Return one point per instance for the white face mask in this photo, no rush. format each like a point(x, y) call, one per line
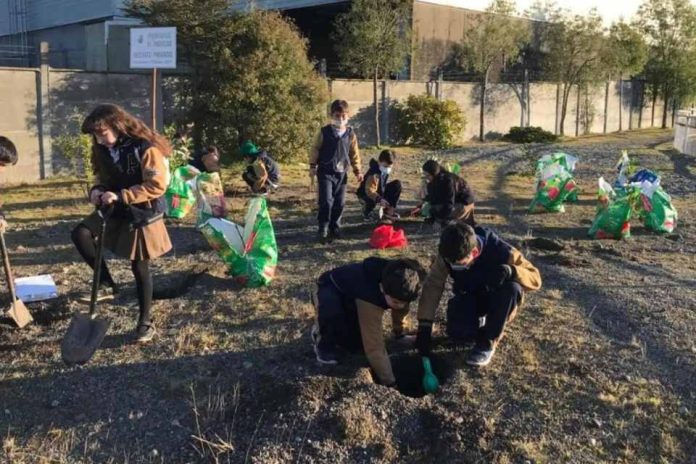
point(385, 169)
point(339, 123)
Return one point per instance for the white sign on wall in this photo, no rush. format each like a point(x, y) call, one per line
point(153, 47)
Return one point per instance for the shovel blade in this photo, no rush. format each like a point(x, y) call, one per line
point(20, 314)
point(82, 339)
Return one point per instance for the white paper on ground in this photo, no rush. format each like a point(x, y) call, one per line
point(36, 288)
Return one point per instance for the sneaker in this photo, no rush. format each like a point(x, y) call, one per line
point(323, 236)
point(480, 357)
point(145, 332)
point(326, 356)
point(104, 293)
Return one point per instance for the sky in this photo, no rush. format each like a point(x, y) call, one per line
point(611, 10)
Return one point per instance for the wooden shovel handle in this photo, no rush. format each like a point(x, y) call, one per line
point(8, 268)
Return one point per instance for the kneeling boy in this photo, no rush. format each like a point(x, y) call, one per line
point(262, 173)
point(350, 301)
point(489, 281)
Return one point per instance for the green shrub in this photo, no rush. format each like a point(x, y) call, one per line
point(529, 135)
point(77, 149)
point(182, 146)
point(250, 75)
point(425, 120)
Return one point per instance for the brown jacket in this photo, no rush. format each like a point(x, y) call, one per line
point(353, 153)
point(147, 242)
point(372, 333)
point(260, 174)
point(372, 187)
point(525, 274)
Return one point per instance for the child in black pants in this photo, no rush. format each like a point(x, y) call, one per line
point(376, 189)
point(350, 301)
point(335, 148)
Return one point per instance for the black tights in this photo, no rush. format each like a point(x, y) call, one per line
point(85, 243)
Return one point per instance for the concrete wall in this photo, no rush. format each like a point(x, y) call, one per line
point(66, 97)
point(41, 104)
point(506, 106)
point(18, 98)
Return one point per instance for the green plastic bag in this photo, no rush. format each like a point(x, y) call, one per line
point(180, 196)
point(211, 197)
point(552, 192)
point(613, 212)
point(656, 209)
point(555, 183)
point(250, 251)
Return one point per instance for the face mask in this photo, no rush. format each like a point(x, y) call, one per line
point(339, 123)
point(385, 169)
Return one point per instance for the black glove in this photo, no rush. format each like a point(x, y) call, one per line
point(424, 338)
point(499, 275)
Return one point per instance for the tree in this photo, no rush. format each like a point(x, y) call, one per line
point(373, 40)
point(670, 29)
point(496, 38)
point(249, 75)
point(625, 53)
point(574, 47)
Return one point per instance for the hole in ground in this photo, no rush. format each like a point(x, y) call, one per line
point(408, 370)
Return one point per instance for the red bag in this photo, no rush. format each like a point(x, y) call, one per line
point(385, 236)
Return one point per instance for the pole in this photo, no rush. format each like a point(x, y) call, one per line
point(154, 99)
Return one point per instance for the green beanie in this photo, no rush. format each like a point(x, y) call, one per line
point(249, 149)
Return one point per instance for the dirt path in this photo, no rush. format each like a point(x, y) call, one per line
point(598, 367)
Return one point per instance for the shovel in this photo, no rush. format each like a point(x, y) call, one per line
point(18, 312)
point(430, 382)
point(86, 333)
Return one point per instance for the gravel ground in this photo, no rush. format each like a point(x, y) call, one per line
point(598, 367)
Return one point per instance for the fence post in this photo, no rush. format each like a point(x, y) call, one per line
point(438, 93)
point(527, 98)
point(558, 98)
point(43, 121)
point(606, 105)
point(577, 113)
point(385, 112)
point(631, 105)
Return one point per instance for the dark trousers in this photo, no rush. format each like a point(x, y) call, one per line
point(85, 243)
point(338, 318)
point(392, 193)
point(464, 312)
point(332, 199)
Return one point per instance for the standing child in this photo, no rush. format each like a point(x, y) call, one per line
point(129, 161)
point(8, 157)
point(335, 148)
point(262, 173)
point(376, 190)
point(350, 301)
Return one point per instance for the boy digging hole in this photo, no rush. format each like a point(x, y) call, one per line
point(489, 282)
point(350, 301)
